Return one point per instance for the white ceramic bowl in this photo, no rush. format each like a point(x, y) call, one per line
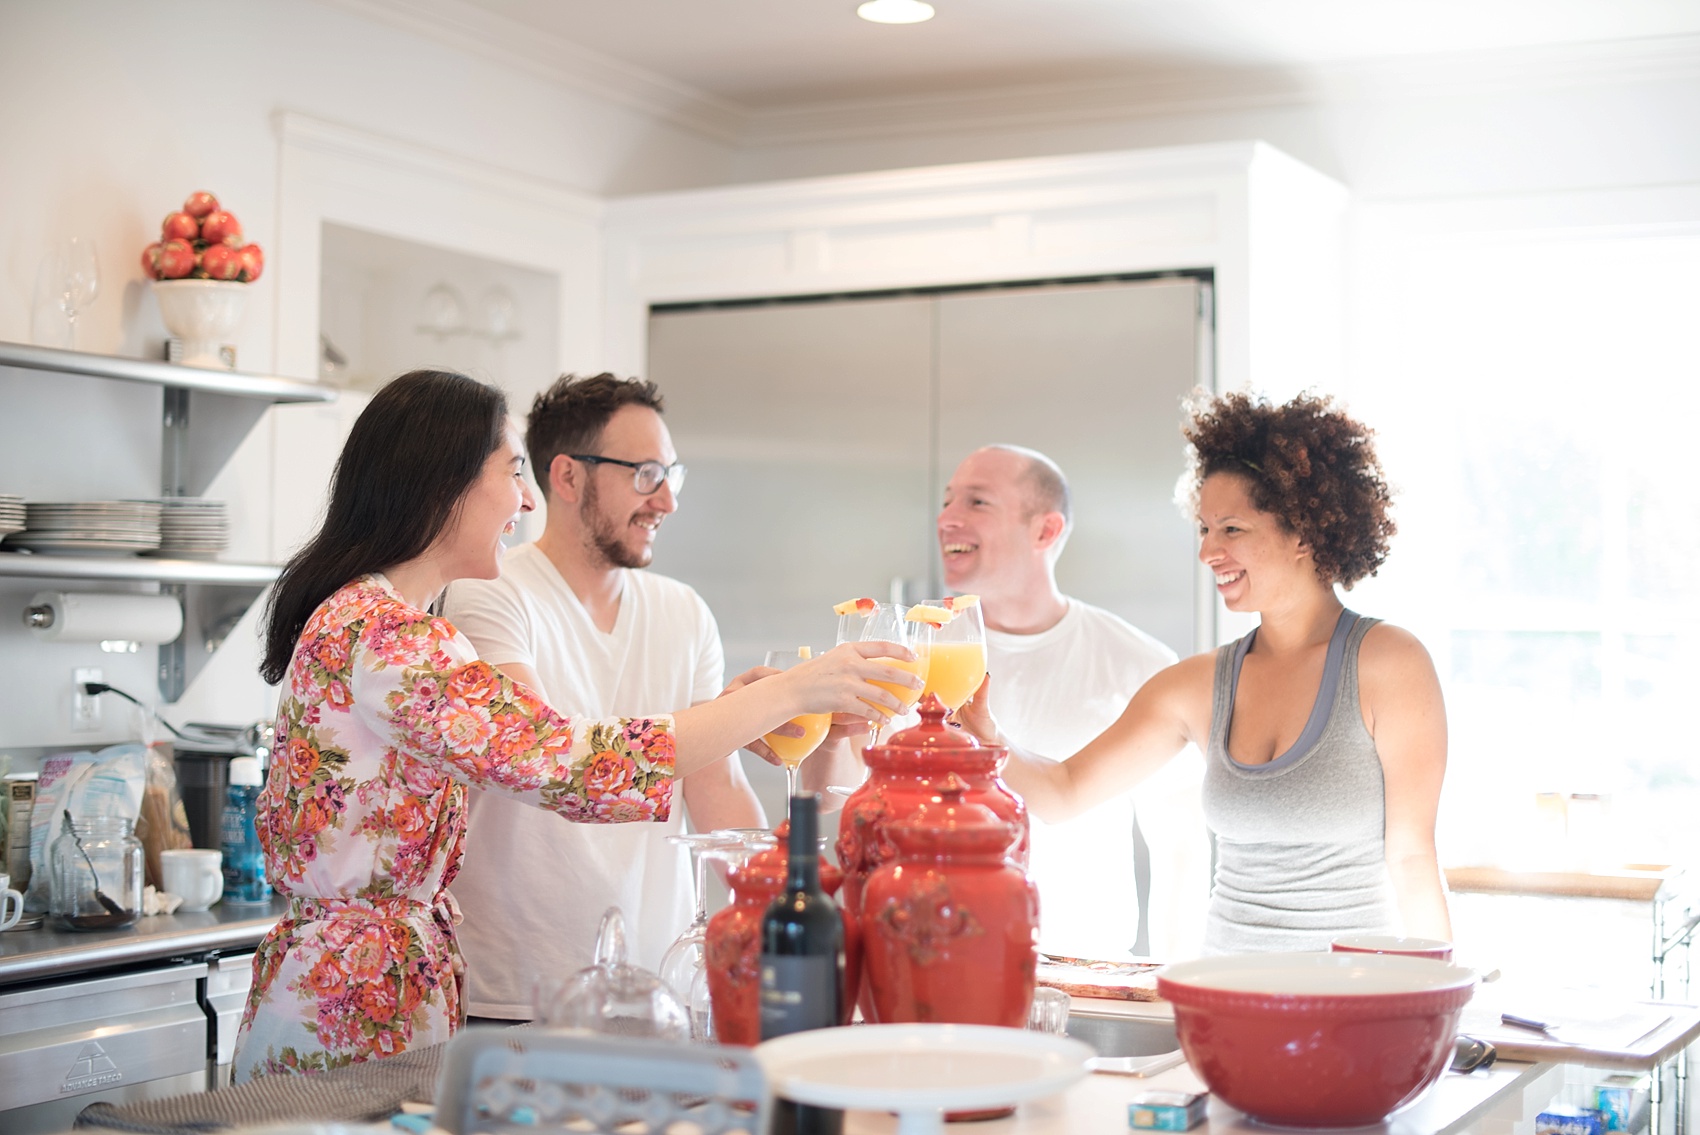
point(203, 313)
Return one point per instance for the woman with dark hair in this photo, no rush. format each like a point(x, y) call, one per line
point(387, 717)
point(1323, 731)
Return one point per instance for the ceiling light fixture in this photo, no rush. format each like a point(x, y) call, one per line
point(895, 11)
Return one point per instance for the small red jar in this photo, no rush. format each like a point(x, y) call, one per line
point(903, 774)
point(950, 929)
point(733, 941)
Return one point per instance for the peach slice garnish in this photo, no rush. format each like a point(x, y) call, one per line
point(862, 606)
point(935, 616)
point(959, 602)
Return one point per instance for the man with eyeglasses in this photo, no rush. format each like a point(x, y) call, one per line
point(575, 618)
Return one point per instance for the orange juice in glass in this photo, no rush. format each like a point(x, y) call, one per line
point(865, 620)
point(792, 750)
point(957, 662)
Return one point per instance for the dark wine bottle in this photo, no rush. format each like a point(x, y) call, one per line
point(802, 963)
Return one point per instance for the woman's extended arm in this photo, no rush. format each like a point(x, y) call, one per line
point(1405, 713)
point(1157, 723)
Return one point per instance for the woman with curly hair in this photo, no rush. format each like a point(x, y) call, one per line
point(1323, 731)
point(388, 717)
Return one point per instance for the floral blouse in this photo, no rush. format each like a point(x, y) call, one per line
point(387, 717)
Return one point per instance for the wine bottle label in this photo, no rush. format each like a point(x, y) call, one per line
point(798, 993)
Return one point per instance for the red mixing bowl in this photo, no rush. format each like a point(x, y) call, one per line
point(1317, 1040)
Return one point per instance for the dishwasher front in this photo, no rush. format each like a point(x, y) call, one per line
point(122, 1037)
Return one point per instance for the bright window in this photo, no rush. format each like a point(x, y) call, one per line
point(1540, 422)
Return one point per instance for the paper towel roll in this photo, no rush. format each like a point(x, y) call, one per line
point(91, 616)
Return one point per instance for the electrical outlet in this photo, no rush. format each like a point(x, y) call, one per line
point(85, 708)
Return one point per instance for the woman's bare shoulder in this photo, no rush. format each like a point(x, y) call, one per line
point(1392, 658)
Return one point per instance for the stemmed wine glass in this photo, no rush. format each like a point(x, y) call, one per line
point(889, 622)
point(792, 750)
point(75, 275)
point(683, 964)
point(957, 661)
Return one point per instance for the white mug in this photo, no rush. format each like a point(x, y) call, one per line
point(11, 904)
point(196, 874)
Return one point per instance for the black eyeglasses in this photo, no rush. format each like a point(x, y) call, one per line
point(647, 476)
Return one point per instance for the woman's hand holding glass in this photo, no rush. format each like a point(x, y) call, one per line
point(872, 624)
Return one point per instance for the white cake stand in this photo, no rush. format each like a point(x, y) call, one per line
point(921, 1071)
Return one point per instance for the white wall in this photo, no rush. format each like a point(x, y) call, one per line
point(110, 113)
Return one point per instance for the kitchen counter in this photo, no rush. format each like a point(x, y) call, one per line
point(1503, 1098)
point(35, 955)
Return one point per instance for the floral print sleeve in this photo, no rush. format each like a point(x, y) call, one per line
point(386, 718)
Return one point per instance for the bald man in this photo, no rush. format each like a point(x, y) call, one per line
point(1062, 671)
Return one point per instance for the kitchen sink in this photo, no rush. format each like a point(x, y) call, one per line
point(1124, 1036)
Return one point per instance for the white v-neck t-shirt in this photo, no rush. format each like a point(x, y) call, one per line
point(532, 888)
point(1053, 692)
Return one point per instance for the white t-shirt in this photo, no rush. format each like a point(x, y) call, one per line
point(1053, 692)
point(532, 887)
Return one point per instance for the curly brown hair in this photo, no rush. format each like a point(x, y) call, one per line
point(1307, 463)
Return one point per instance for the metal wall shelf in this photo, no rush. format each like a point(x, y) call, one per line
point(204, 415)
point(134, 569)
point(264, 388)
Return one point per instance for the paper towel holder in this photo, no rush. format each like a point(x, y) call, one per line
point(39, 616)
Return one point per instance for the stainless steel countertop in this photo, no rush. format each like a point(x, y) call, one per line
point(31, 955)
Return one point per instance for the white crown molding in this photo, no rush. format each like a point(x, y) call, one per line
point(305, 132)
point(1179, 92)
point(557, 60)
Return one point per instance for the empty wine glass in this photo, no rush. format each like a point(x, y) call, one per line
point(792, 750)
point(889, 622)
point(682, 964)
point(75, 277)
point(956, 662)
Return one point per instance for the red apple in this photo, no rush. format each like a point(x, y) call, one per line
point(219, 227)
point(253, 262)
point(200, 204)
point(221, 262)
point(179, 226)
point(176, 259)
point(150, 261)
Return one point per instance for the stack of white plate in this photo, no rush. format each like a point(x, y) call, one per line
point(11, 514)
point(193, 527)
point(92, 527)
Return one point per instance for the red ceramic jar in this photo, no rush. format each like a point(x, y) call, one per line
point(903, 774)
point(733, 945)
point(950, 930)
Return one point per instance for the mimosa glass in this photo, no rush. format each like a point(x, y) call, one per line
point(888, 622)
point(956, 663)
point(792, 750)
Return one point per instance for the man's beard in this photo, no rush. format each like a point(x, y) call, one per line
point(604, 536)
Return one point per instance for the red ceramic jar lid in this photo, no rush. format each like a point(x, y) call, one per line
point(933, 746)
point(949, 825)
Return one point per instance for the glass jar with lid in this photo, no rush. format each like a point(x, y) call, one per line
point(96, 873)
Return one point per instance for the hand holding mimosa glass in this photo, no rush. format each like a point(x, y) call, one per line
point(864, 620)
point(792, 750)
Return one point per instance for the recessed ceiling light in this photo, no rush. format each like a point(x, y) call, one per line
point(895, 11)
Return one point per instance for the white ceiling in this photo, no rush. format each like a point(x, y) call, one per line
point(725, 65)
point(766, 54)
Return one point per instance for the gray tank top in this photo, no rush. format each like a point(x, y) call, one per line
point(1300, 852)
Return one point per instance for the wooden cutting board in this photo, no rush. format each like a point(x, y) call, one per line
point(1084, 977)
